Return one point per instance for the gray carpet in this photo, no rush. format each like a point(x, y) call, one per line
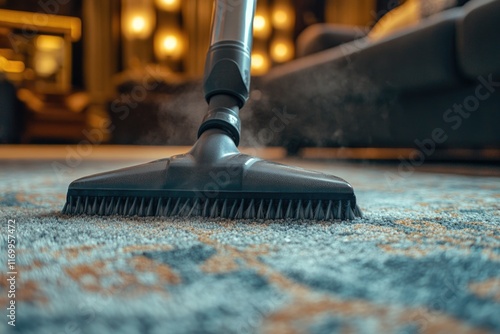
point(425, 259)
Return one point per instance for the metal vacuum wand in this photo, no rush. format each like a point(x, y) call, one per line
point(227, 69)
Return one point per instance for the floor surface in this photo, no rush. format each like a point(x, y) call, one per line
point(424, 259)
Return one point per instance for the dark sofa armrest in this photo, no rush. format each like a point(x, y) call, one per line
point(418, 58)
point(322, 36)
point(478, 40)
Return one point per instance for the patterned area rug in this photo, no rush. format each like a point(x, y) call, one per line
point(424, 259)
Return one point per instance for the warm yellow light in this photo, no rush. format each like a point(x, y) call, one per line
point(257, 61)
point(169, 44)
point(282, 50)
point(11, 66)
point(169, 5)
point(45, 64)
point(260, 63)
point(138, 24)
point(279, 17)
point(259, 23)
point(36, 22)
point(49, 54)
point(16, 66)
point(3, 62)
point(138, 18)
point(49, 43)
point(261, 26)
point(282, 17)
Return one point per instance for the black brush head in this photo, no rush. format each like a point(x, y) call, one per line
point(214, 180)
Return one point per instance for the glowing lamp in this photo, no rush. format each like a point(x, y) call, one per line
point(169, 5)
point(282, 50)
point(49, 54)
point(11, 66)
point(282, 17)
point(138, 25)
point(261, 26)
point(49, 43)
point(138, 18)
point(169, 44)
point(260, 63)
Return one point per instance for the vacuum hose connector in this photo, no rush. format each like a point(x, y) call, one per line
point(227, 69)
point(223, 113)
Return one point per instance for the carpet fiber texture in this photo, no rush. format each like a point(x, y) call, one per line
point(424, 259)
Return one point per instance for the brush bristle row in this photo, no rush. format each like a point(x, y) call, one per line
point(225, 208)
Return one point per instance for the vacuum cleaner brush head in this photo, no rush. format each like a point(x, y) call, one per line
point(214, 180)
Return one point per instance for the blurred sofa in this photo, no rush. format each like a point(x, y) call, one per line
point(436, 83)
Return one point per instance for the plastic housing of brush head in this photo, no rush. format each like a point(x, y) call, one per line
point(214, 180)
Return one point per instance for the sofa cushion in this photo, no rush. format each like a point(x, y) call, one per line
point(478, 40)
